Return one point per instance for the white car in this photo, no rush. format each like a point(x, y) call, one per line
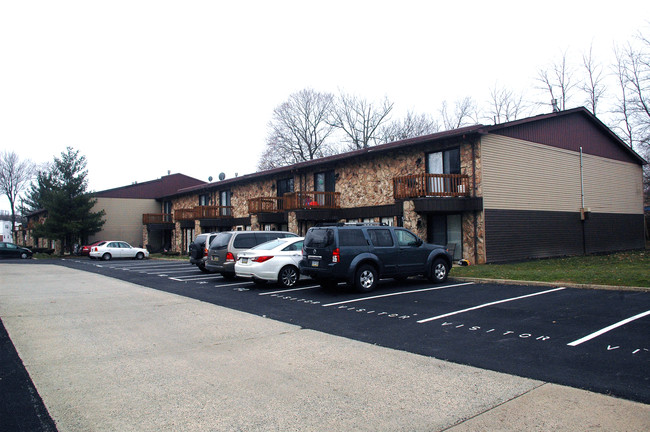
point(274, 261)
point(117, 249)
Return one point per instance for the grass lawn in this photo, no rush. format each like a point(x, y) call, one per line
point(619, 269)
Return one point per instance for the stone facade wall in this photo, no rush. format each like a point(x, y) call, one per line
point(365, 182)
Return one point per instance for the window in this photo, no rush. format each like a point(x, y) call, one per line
point(324, 182)
point(244, 241)
point(294, 247)
point(320, 238)
point(224, 201)
point(204, 199)
point(380, 237)
point(285, 186)
point(405, 238)
point(352, 237)
point(443, 162)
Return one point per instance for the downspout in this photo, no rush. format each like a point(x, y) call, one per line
point(583, 215)
point(474, 188)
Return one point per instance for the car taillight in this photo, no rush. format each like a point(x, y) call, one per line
point(336, 255)
point(230, 257)
point(262, 259)
point(205, 252)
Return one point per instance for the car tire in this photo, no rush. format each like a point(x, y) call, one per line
point(139, 256)
point(203, 269)
point(288, 276)
point(365, 279)
point(439, 270)
point(23, 255)
point(106, 257)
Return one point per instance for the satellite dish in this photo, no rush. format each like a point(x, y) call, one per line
point(210, 178)
point(222, 176)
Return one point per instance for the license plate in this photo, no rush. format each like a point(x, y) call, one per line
point(244, 260)
point(314, 263)
point(215, 258)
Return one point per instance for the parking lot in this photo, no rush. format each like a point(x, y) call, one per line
point(591, 339)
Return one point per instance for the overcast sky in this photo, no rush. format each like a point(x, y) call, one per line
point(146, 87)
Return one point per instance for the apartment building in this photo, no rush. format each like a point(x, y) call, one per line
point(550, 185)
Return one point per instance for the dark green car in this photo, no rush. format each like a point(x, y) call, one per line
point(10, 250)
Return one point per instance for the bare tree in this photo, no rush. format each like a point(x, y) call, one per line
point(622, 109)
point(593, 86)
point(464, 113)
point(360, 120)
point(633, 73)
point(299, 130)
point(412, 125)
point(505, 105)
point(558, 81)
point(15, 176)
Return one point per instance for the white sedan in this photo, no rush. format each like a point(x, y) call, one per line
point(117, 249)
point(274, 261)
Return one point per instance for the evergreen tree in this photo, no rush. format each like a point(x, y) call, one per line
point(63, 193)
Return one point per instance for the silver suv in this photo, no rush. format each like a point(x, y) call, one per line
point(226, 246)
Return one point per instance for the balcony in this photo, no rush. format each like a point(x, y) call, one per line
point(265, 205)
point(294, 201)
point(184, 214)
point(431, 185)
point(157, 218)
point(213, 212)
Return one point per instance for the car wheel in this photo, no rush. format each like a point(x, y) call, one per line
point(366, 278)
point(23, 255)
point(439, 270)
point(139, 256)
point(203, 269)
point(288, 276)
point(106, 257)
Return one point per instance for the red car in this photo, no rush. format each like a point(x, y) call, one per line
point(85, 250)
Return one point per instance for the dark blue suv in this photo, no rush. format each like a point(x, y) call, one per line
point(361, 254)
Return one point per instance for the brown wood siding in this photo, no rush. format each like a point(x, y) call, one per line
point(570, 133)
point(513, 235)
point(611, 232)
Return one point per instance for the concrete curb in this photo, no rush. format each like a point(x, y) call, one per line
point(550, 284)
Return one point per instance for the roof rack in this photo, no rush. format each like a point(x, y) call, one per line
point(343, 224)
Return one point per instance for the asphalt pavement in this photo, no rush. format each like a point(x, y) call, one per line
point(109, 355)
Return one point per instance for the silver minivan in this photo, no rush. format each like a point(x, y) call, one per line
point(226, 246)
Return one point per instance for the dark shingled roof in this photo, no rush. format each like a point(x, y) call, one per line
point(164, 186)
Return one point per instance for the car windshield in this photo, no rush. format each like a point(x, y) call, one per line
point(270, 244)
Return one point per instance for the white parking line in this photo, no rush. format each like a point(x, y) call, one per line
point(165, 271)
point(397, 293)
point(192, 278)
point(289, 290)
point(489, 304)
point(608, 328)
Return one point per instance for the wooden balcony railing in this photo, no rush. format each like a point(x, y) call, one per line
point(265, 205)
point(294, 201)
point(184, 214)
point(311, 199)
point(151, 218)
point(213, 212)
point(431, 185)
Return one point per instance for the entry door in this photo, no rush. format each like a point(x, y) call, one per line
point(446, 230)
